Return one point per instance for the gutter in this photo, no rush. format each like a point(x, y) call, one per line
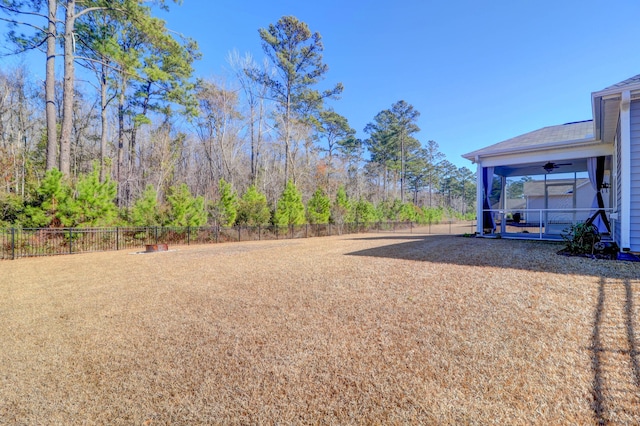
point(577, 143)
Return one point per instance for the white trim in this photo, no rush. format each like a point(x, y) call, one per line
point(503, 204)
point(576, 143)
point(479, 198)
point(612, 92)
point(625, 170)
point(544, 156)
point(613, 177)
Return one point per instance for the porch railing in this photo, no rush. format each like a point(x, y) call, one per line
point(540, 223)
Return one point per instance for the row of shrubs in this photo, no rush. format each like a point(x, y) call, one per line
point(90, 202)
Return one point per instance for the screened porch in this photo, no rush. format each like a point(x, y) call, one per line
point(543, 200)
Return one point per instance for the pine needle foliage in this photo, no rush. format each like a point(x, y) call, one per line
point(226, 209)
point(290, 209)
point(319, 207)
point(253, 209)
point(94, 204)
point(145, 211)
point(184, 208)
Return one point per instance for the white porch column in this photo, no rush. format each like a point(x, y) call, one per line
point(503, 205)
point(479, 198)
point(625, 170)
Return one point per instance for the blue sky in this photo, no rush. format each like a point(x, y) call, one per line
point(479, 72)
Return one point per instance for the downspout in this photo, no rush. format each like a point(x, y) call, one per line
point(479, 197)
point(625, 171)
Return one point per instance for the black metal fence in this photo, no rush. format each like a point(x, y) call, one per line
point(19, 242)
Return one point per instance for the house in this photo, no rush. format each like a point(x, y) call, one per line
point(605, 150)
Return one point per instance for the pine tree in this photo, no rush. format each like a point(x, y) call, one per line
point(290, 209)
point(53, 202)
point(296, 54)
point(226, 209)
point(95, 201)
point(253, 209)
point(409, 213)
point(145, 211)
point(184, 209)
point(341, 208)
point(364, 212)
point(319, 207)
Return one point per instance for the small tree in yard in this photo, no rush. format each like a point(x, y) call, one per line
point(95, 201)
point(184, 209)
point(319, 207)
point(51, 208)
point(341, 208)
point(253, 209)
point(409, 213)
point(145, 211)
point(364, 212)
point(290, 209)
point(225, 210)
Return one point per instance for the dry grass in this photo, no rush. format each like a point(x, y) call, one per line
point(358, 329)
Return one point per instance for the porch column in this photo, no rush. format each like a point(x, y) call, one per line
point(625, 171)
point(479, 199)
point(503, 205)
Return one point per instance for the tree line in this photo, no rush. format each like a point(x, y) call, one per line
point(138, 129)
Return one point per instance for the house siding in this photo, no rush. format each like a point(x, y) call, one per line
point(635, 177)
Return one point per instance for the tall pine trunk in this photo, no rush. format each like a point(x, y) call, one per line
point(103, 121)
point(68, 90)
point(50, 88)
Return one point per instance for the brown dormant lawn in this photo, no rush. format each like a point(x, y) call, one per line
point(403, 328)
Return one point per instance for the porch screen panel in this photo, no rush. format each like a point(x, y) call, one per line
point(487, 183)
point(595, 167)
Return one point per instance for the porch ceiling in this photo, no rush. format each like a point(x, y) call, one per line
point(576, 165)
point(536, 168)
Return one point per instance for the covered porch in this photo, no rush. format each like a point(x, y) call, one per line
point(537, 185)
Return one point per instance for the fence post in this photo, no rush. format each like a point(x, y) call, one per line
point(117, 238)
point(70, 241)
point(306, 231)
point(259, 233)
point(13, 243)
point(239, 232)
point(188, 235)
point(156, 233)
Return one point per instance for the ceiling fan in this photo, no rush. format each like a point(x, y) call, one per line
point(550, 166)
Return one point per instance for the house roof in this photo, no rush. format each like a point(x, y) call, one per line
point(550, 136)
point(606, 106)
point(557, 187)
point(633, 81)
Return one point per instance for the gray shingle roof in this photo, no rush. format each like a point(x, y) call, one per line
point(551, 135)
point(628, 82)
